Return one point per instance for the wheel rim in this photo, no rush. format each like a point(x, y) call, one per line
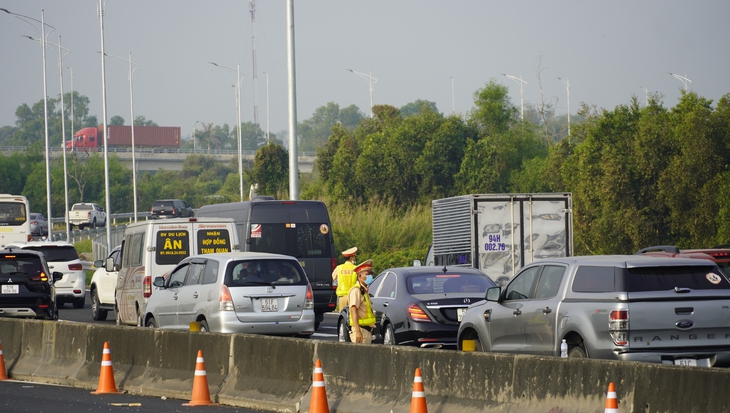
point(389, 338)
point(94, 304)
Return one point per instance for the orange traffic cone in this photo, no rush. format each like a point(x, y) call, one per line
point(611, 400)
point(3, 374)
point(318, 403)
point(418, 400)
point(201, 392)
point(106, 376)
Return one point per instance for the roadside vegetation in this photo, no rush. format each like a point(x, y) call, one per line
point(640, 174)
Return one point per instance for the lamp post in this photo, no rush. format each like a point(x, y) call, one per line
point(267, 107)
point(195, 141)
point(453, 107)
point(106, 130)
point(131, 109)
point(371, 81)
point(683, 79)
point(45, 106)
point(238, 119)
point(521, 82)
point(567, 85)
point(646, 95)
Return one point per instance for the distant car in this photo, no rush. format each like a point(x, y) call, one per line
point(103, 283)
point(171, 208)
point(236, 292)
point(422, 306)
point(719, 254)
point(61, 256)
point(38, 224)
point(26, 288)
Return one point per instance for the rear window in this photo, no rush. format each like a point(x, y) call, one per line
point(12, 214)
point(295, 239)
point(668, 278)
point(81, 207)
point(20, 264)
point(57, 254)
point(264, 272)
point(448, 283)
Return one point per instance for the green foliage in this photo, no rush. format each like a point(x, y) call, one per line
point(116, 120)
point(414, 108)
point(313, 132)
point(270, 170)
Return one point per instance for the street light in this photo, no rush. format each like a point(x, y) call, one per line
point(195, 142)
point(521, 82)
point(453, 108)
point(267, 107)
point(371, 81)
point(45, 106)
point(238, 111)
point(106, 130)
point(63, 131)
point(567, 84)
point(131, 108)
point(646, 95)
point(683, 79)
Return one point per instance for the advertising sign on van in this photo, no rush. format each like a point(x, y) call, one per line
point(213, 240)
point(255, 230)
point(171, 247)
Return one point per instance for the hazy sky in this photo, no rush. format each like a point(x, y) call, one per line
point(609, 51)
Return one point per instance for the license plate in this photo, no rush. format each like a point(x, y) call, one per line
point(686, 362)
point(10, 289)
point(460, 313)
point(269, 304)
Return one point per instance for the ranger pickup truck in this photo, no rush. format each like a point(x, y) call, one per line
point(666, 310)
point(86, 215)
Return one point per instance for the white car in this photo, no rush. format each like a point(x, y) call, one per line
point(62, 257)
point(103, 283)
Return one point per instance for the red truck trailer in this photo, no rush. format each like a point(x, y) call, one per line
point(121, 136)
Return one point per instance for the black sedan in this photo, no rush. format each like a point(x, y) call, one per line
point(421, 306)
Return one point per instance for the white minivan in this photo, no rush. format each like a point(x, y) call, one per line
point(152, 248)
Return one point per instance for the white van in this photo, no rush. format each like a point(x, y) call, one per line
point(152, 248)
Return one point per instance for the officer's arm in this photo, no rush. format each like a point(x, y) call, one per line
point(355, 319)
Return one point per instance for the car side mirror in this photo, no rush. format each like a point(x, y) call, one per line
point(493, 294)
point(159, 282)
point(98, 263)
point(416, 263)
point(109, 265)
point(57, 276)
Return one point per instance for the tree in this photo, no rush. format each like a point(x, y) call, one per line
point(116, 120)
point(493, 111)
point(313, 132)
point(414, 108)
point(270, 170)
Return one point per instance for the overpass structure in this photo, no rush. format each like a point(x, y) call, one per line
point(170, 159)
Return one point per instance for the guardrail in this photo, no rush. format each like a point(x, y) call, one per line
point(59, 151)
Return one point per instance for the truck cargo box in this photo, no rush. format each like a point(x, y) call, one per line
point(145, 136)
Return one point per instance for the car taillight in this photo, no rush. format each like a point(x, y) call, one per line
point(334, 265)
point(225, 302)
point(309, 299)
point(40, 277)
point(618, 324)
point(147, 286)
point(75, 267)
point(174, 212)
point(416, 313)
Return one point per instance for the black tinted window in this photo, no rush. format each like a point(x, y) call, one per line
point(669, 278)
point(260, 272)
point(12, 213)
point(210, 276)
point(295, 239)
point(594, 279)
point(54, 254)
point(435, 283)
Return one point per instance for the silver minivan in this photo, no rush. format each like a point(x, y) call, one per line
point(236, 292)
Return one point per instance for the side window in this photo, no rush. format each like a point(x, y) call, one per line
point(521, 287)
point(387, 289)
point(549, 283)
point(177, 277)
point(136, 249)
point(594, 279)
point(210, 275)
point(195, 273)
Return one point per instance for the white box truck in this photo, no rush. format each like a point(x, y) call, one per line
point(500, 233)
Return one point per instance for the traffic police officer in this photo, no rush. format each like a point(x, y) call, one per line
point(344, 277)
point(362, 318)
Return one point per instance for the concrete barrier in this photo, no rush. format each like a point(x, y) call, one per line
point(273, 373)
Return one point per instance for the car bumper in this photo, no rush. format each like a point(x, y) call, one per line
point(227, 322)
point(428, 335)
point(325, 301)
point(72, 285)
point(703, 358)
point(25, 312)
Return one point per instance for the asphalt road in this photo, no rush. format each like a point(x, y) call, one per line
point(22, 396)
point(327, 329)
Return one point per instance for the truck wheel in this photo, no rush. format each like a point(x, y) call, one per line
point(151, 323)
point(343, 333)
point(93, 224)
point(577, 352)
point(96, 312)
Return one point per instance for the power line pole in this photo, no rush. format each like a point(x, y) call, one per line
point(254, 79)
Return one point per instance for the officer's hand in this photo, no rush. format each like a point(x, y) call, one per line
point(358, 337)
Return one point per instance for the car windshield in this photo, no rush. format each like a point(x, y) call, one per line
point(264, 272)
point(437, 283)
point(56, 254)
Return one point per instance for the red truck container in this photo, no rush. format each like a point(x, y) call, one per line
point(121, 136)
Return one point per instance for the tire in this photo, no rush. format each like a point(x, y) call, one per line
point(204, 326)
point(117, 317)
point(59, 303)
point(316, 325)
point(343, 334)
point(389, 336)
point(151, 323)
point(79, 302)
point(93, 224)
point(140, 320)
point(96, 312)
point(577, 352)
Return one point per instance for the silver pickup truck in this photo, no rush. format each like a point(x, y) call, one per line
point(634, 308)
point(86, 215)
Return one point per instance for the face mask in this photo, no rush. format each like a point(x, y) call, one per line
point(369, 279)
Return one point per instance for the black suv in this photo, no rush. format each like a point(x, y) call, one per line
point(171, 208)
point(26, 290)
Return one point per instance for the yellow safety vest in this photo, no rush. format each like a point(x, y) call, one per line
point(346, 278)
point(369, 318)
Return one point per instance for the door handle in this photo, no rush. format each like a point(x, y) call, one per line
point(547, 310)
point(195, 294)
point(517, 312)
point(174, 297)
point(385, 304)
